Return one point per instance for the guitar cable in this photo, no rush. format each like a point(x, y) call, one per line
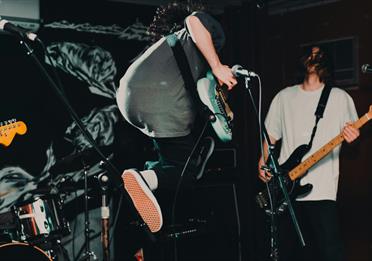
point(259, 114)
point(173, 210)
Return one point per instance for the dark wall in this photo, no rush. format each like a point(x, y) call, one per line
point(280, 37)
point(267, 44)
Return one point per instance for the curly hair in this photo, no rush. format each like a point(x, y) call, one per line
point(169, 18)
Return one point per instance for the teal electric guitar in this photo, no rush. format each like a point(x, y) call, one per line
point(213, 96)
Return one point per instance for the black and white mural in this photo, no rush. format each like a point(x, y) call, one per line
point(44, 155)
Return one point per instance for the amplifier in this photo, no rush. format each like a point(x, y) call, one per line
point(222, 158)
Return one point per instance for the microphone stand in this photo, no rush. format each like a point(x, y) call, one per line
point(115, 174)
point(103, 181)
point(274, 169)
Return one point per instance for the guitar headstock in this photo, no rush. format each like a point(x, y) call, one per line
point(9, 130)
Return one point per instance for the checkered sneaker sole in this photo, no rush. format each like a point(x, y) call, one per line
point(143, 200)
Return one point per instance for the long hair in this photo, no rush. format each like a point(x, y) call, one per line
point(322, 61)
point(169, 18)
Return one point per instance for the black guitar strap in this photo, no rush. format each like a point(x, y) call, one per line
point(320, 110)
point(184, 66)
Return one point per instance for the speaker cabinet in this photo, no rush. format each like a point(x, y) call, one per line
point(211, 227)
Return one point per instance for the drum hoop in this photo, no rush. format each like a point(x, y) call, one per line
point(25, 244)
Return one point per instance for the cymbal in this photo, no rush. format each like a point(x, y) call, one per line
point(78, 160)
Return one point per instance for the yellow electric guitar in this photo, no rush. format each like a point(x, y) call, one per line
point(8, 130)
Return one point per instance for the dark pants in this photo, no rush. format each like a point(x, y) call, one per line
point(172, 156)
point(319, 224)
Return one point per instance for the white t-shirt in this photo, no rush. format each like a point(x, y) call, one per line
point(291, 118)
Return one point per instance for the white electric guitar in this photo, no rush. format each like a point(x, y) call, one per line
point(213, 96)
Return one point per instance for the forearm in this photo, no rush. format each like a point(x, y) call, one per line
point(203, 40)
point(262, 174)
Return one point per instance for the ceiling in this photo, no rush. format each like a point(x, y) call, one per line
point(273, 6)
point(207, 2)
point(212, 4)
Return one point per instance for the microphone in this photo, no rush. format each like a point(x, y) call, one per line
point(17, 30)
point(366, 68)
point(237, 70)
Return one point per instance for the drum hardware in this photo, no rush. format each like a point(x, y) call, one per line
point(88, 254)
point(40, 219)
point(8, 227)
point(73, 162)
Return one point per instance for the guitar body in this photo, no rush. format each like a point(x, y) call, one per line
point(294, 168)
point(293, 187)
point(213, 97)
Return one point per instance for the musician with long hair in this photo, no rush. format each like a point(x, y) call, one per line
point(291, 119)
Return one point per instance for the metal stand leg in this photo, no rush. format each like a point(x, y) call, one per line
point(88, 254)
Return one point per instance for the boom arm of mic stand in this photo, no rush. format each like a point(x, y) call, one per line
point(275, 170)
point(74, 116)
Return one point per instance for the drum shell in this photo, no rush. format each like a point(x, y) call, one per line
point(40, 217)
point(17, 251)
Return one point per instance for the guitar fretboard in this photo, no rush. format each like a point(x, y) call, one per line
point(301, 169)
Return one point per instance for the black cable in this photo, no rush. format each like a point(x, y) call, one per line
point(59, 83)
point(47, 55)
point(60, 93)
point(173, 210)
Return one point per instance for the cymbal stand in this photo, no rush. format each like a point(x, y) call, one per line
point(88, 254)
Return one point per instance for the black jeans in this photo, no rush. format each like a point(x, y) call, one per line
point(319, 224)
point(172, 156)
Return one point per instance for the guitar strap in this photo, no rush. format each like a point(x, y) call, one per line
point(184, 66)
point(319, 111)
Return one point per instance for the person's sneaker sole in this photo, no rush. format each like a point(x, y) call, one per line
point(143, 199)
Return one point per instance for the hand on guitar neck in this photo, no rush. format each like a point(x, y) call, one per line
point(294, 168)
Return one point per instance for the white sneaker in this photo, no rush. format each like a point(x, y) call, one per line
point(143, 199)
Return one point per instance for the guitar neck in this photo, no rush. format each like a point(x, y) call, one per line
point(301, 169)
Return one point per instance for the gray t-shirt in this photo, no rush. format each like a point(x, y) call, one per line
point(152, 95)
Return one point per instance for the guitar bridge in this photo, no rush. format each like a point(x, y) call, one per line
point(261, 200)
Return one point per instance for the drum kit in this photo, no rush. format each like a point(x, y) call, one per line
point(33, 229)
